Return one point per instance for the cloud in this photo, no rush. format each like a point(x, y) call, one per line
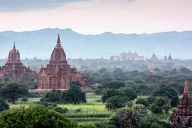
point(22, 5)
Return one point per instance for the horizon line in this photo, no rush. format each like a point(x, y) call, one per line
point(116, 33)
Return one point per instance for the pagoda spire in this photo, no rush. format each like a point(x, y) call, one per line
point(186, 88)
point(58, 42)
point(182, 115)
point(14, 47)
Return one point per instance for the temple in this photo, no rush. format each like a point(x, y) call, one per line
point(14, 70)
point(182, 117)
point(58, 74)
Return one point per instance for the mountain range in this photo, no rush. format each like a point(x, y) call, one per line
point(40, 43)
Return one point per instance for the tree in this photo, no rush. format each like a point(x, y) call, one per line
point(160, 101)
point(142, 89)
point(74, 95)
point(128, 117)
point(152, 122)
point(114, 84)
point(109, 93)
point(52, 96)
point(160, 104)
point(142, 101)
point(115, 102)
point(151, 99)
point(34, 116)
point(155, 109)
point(174, 101)
point(13, 91)
point(3, 105)
point(129, 93)
point(166, 91)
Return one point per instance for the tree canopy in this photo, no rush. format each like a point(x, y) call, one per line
point(3, 105)
point(128, 117)
point(166, 91)
point(34, 116)
point(73, 95)
point(13, 91)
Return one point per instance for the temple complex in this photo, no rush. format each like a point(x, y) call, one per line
point(58, 74)
point(182, 117)
point(14, 70)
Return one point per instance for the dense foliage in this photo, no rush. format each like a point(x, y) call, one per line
point(115, 102)
point(34, 117)
point(109, 93)
point(3, 105)
point(118, 98)
point(166, 91)
point(73, 95)
point(151, 122)
point(13, 91)
point(144, 83)
point(128, 117)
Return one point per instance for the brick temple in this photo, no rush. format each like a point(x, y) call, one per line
point(182, 117)
point(58, 74)
point(14, 70)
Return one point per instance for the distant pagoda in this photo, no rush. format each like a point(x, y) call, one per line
point(14, 70)
point(58, 74)
point(182, 117)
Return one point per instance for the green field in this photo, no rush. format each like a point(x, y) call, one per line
point(92, 111)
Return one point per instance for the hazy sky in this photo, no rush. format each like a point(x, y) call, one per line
point(97, 16)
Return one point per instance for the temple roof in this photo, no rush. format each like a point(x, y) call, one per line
point(58, 55)
point(14, 56)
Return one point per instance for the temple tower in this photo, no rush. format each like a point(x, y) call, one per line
point(182, 116)
point(58, 74)
point(14, 57)
point(14, 70)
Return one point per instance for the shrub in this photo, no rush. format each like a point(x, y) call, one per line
point(78, 110)
point(128, 118)
point(60, 110)
point(87, 125)
point(152, 122)
point(151, 99)
point(47, 104)
point(142, 101)
point(24, 99)
point(3, 105)
point(155, 109)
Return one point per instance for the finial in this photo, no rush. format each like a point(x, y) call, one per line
point(186, 88)
point(58, 41)
point(14, 48)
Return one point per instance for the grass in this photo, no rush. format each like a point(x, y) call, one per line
point(93, 111)
point(87, 108)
